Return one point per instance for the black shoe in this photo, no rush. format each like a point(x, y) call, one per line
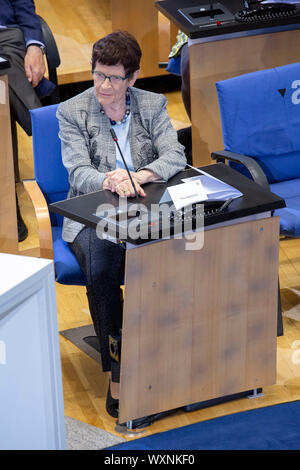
point(22, 229)
point(112, 404)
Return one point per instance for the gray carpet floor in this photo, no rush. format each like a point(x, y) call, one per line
point(80, 435)
point(83, 436)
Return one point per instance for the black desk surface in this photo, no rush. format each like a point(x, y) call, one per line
point(170, 9)
point(255, 198)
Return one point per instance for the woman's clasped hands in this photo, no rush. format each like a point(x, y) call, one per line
point(117, 181)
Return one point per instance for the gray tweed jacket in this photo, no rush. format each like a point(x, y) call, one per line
point(88, 150)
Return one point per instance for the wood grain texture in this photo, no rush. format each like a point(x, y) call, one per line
point(194, 327)
point(77, 25)
point(8, 212)
point(166, 37)
point(43, 218)
point(141, 20)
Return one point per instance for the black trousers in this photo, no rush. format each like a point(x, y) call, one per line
point(22, 96)
point(103, 263)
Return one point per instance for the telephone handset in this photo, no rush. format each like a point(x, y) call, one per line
point(268, 12)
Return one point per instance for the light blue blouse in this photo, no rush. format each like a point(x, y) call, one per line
point(123, 132)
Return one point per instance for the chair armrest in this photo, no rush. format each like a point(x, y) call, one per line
point(52, 57)
point(252, 166)
point(43, 218)
point(52, 54)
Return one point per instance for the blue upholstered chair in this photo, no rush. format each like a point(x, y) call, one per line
point(260, 116)
point(51, 185)
point(173, 66)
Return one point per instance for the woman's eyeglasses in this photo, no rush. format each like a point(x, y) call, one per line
point(113, 79)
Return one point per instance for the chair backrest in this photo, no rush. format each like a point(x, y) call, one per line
point(260, 116)
point(50, 173)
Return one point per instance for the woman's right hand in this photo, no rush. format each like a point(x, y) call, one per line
point(124, 188)
point(116, 177)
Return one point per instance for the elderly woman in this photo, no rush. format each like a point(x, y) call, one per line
point(151, 150)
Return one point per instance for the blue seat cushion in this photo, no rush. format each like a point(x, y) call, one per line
point(260, 118)
point(260, 111)
point(174, 65)
point(290, 215)
point(49, 171)
point(67, 269)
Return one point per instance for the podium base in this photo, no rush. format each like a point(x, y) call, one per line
point(217, 401)
point(137, 425)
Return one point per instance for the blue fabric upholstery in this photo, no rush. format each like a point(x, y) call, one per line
point(173, 66)
point(67, 269)
point(260, 116)
point(52, 178)
point(290, 215)
point(50, 173)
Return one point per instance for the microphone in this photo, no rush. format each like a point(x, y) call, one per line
point(211, 10)
point(115, 138)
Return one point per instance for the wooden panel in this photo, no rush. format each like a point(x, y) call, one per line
point(77, 25)
point(42, 217)
point(214, 61)
point(141, 20)
point(8, 213)
point(199, 324)
point(167, 33)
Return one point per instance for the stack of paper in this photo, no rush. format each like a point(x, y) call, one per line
point(214, 188)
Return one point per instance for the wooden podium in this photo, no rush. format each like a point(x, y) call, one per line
point(8, 210)
point(200, 324)
point(197, 323)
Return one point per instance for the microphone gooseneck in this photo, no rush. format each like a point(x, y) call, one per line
point(115, 138)
point(211, 10)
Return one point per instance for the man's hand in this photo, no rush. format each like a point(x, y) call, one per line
point(34, 65)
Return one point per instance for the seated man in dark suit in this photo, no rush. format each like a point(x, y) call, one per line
point(21, 43)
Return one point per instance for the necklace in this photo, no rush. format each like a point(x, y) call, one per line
point(124, 118)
